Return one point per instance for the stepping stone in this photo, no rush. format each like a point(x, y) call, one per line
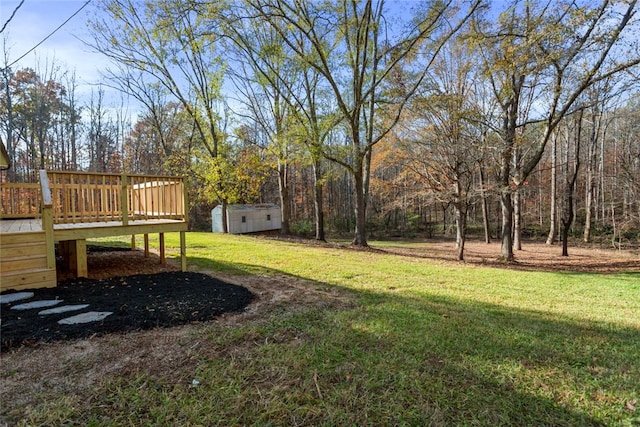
point(90, 316)
point(37, 304)
point(16, 296)
point(63, 309)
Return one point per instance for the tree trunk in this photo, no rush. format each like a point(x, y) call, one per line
point(485, 208)
point(567, 215)
point(565, 236)
point(517, 221)
point(570, 183)
point(461, 227)
point(588, 207)
point(285, 205)
point(366, 178)
point(444, 218)
point(601, 186)
point(457, 205)
point(318, 195)
point(11, 174)
point(590, 178)
point(506, 249)
point(498, 225)
point(551, 238)
point(540, 200)
point(508, 131)
point(360, 238)
point(517, 199)
point(225, 223)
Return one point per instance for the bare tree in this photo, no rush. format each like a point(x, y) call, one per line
point(570, 168)
point(102, 136)
point(557, 51)
point(6, 108)
point(448, 148)
point(356, 32)
point(171, 44)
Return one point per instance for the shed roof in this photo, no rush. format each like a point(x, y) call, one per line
point(254, 207)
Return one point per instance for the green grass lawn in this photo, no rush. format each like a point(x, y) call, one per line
point(420, 343)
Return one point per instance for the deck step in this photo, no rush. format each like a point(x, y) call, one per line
point(24, 250)
point(30, 278)
point(20, 238)
point(23, 262)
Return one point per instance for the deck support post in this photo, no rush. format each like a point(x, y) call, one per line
point(146, 245)
point(74, 253)
point(80, 247)
point(133, 242)
point(162, 257)
point(183, 251)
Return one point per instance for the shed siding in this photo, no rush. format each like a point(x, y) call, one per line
point(247, 218)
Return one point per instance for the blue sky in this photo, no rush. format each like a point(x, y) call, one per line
point(37, 18)
point(34, 21)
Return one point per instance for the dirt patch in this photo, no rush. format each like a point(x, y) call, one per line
point(100, 263)
point(534, 256)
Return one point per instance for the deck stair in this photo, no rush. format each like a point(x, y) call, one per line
point(23, 261)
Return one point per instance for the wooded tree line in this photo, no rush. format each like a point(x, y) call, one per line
point(361, 116)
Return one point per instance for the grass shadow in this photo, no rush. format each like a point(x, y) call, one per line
point(397, 358)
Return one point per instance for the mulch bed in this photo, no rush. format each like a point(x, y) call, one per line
point(138, 302)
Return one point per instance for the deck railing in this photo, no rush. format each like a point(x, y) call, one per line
point(78, 197)
point(160, 197)
point(101, 197)
point(19, 200)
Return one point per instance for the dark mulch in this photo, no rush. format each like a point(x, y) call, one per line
point(100, 248)
point(138, 302)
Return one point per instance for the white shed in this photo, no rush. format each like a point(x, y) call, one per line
point(247, 218)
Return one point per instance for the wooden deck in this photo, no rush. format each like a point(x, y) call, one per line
point(88, 230)
point(79, 206)
point(20, 226)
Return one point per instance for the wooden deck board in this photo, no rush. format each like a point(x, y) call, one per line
point(103, 224)
point(88, 230)
point(34, 225)
point(20, 225)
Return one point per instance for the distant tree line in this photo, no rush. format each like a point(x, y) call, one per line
point(519, 119)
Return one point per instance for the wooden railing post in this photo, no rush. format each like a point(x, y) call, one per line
point(47, 218)
point(124, 199)
point(185, 199)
